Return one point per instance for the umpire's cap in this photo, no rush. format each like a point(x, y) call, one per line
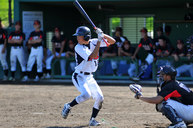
point(167, 70)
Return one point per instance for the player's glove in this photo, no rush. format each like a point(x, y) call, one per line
point(100, 37)
point(98, 31)
point(137, 89)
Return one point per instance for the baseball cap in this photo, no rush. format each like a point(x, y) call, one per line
point(18, 23)
point(36, 22)
point(57, 29)
point(143, 30)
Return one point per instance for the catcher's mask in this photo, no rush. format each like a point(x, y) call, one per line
point(166, 70)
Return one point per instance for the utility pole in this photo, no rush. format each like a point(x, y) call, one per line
point(10, 14)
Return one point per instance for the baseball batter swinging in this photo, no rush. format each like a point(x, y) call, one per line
point(87, 56)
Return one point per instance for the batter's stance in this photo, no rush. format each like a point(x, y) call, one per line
point(87, 56)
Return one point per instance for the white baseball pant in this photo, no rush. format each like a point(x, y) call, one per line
point(35, 55)
point(184, 68)
point(88, 87)
point(184, 111)
point(3, 58)
point(17, 53)
point(62, 63)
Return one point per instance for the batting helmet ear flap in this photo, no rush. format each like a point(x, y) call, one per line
point(87, 37)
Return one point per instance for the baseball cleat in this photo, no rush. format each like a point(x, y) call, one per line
point(25, 78)
point(66, 110)
point(47, 76)
point(37, 78)
point(5, 78)
point(178, 125)
point(93, 122)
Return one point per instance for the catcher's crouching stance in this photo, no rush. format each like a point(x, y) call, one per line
point(175, 100)
point(87, 56)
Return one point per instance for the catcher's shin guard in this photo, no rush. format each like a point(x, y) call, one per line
point(170, 113)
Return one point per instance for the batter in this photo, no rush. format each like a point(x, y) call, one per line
point(87, 56)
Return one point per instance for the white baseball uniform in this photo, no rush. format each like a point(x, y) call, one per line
point(82, 78)
point(3, 55)
point(17, 51)
point(36, 53)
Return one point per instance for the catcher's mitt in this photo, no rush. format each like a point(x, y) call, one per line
point(137, 89)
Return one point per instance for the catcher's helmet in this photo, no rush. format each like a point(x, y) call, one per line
point(83, 31)
point(167, 70)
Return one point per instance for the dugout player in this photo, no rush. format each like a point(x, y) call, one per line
point(58, 50)
point(15, 40)
point(36, 54)
point(87, 57)
point(144, 51)
point(3, 51)
point(175, 100)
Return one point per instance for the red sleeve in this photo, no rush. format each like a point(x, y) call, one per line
point(10, 37)
point(4, 36)
point(140, 45)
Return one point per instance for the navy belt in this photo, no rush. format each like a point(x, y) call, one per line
point(85, 73)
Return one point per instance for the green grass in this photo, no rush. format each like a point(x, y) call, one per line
point(4, 5)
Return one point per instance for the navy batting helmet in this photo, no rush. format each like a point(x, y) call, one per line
point(167, 70)
point(83, 31)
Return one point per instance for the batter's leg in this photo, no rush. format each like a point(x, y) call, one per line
point(96, 94)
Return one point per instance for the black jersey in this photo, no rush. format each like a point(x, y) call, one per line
point(36, 35)
point(177, 91)
point(147, 44)
point(17, 36)
point(3, 35)
point(57, 42)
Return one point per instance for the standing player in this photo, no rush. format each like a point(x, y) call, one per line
point(3, 51)
point(16, 41)
point(87, 56)
point(36, 54)
point(175, 100)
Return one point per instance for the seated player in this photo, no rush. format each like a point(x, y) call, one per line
point(47, 64)
point(188, 67)
point(87, 57)
point(127, 50)
point(175, 100)
point(180, 50)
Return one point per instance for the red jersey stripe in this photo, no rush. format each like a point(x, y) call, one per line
point(172, 94)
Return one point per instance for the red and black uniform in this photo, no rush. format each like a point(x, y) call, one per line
point(176, 90)
point(3, 35)
point(147, 44)
point(58, 43)
point(181, 51)
point(17, 35)
point(36, 35)
point(131, 50)
point(163, 49)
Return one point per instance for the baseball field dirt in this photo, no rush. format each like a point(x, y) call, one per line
point(32, 106)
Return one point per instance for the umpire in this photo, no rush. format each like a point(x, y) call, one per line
point(175, 100)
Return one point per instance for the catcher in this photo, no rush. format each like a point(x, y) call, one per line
point(175, 100)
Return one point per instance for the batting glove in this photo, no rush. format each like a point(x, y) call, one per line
point(99, 31)
point(100, 37)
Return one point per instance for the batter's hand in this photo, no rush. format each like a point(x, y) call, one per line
point(137, 89)
point(98, 31)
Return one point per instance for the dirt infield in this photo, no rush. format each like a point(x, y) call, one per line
point(40, 106)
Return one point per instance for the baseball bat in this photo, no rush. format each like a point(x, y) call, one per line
point(85, 15)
